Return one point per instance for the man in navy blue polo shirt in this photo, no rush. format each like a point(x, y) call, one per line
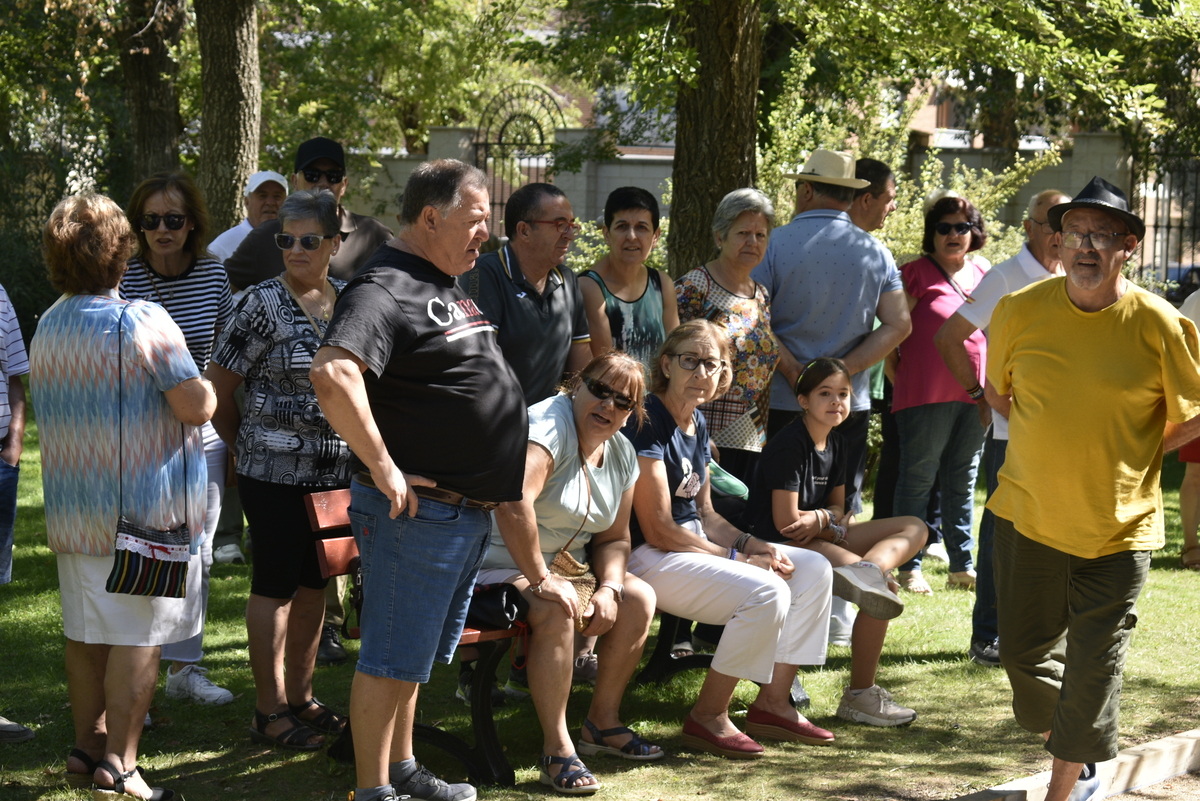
point(528, 294)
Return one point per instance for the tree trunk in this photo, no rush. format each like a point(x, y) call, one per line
point(716, 123)
point(146, 36)
point(231, 106)
point(998, 117)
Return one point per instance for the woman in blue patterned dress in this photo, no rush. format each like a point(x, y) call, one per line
point(285, 450)
point(119, 403)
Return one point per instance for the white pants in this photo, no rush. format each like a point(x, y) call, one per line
point(199, 566)
point(766, 619)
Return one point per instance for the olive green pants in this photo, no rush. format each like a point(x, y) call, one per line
point(1065, 624)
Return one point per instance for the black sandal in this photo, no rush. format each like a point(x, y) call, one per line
point(565, 780)
point(297, 737)
point(328, 722)
point(636, 749)
point(81, 781)
point(118, 790)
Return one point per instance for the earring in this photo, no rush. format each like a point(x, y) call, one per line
point(666, 375)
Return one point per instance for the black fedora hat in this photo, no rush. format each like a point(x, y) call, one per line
point(1101, 195)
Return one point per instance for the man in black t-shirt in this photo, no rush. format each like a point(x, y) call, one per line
point(411, 377)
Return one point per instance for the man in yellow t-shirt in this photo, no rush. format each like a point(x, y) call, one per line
point(1096, 377)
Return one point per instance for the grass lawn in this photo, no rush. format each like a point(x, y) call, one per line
point(964, 739)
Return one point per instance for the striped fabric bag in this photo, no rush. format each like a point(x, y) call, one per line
point(150, 562)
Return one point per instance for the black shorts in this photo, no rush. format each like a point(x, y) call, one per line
point(282, 541)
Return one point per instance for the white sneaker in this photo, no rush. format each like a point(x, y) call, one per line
point(864, 585)
point(190, 682)
point(228, 554)
point(874, 706)
point(937, 551)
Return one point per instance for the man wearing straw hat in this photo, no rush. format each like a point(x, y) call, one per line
point(1097, 377)
point(829, 280)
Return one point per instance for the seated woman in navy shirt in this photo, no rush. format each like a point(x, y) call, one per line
point(772, 599)
point(798, 497)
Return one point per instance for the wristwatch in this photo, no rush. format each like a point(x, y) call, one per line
point(618, 589)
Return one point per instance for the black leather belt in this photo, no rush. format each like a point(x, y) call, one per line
point(433, 494)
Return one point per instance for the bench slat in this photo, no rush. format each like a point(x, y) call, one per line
point(334, 555)
point(328, 510)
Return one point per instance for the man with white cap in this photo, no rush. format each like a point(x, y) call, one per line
point(829, 279)
point(264, 194)
point(320, 164)
point(1097, 377)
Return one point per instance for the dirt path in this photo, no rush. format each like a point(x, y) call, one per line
point(1181, 788)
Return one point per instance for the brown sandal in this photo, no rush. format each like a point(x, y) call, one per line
point(1190, 557)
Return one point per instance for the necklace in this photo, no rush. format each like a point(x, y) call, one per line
point(324, 306)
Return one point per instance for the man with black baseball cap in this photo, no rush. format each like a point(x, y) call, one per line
point(1097, 377)
point(320, 164)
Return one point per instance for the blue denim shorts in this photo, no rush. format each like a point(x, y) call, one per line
point(418, 575)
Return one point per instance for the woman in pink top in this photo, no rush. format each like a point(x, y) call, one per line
point(941, 426)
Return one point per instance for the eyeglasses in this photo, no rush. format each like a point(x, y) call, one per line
point(308, 241)
point(313, 176)
point(149, 222)
point(1073, 240)
point(563, 226)
point(945, 228)
point(690, 362)
point(603, 392)
point(1043, 224)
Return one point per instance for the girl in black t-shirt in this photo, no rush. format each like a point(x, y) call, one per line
point(798, 497)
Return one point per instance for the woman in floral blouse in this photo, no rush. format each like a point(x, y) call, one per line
point(723, 292)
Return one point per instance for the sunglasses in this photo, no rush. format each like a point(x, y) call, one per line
point(945, 228)
point(603, 392)
point(149, 222)
point(312, 176)
point(308, 241)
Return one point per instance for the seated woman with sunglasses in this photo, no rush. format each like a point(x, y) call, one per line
point(773, 599)
point(941, 426)
point(579, 477)
point(285, 450)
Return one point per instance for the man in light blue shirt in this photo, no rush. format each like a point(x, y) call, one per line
point(828, 281)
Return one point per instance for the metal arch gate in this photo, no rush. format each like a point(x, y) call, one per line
point(514, 142)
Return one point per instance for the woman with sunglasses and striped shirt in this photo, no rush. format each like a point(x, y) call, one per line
point(286, 449)
point(172, 268)
point(578, 489)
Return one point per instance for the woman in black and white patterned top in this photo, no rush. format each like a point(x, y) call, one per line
point(285, 450)
point(171, 267)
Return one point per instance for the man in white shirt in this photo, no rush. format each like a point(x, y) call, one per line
point(1037, 260)
point(264, 194)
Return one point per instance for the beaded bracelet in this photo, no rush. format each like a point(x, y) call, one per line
point(977, 393)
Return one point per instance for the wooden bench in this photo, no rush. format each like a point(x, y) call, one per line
point(485, 761)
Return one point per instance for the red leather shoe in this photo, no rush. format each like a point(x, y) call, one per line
point(737, 746)
point(761, 723)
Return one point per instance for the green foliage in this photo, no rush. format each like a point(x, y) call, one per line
point(871, 129)
point(63, 129)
